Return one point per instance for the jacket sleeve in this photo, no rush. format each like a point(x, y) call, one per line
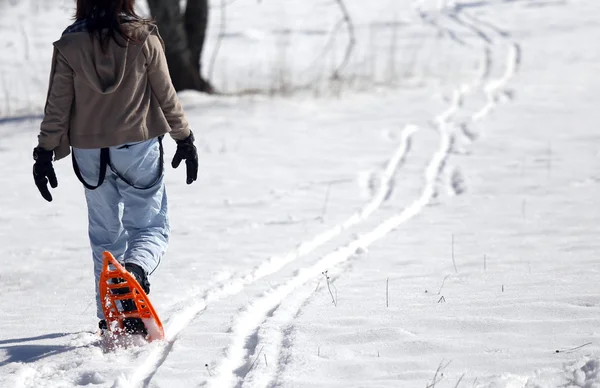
point(163, 90)
point(55, 125)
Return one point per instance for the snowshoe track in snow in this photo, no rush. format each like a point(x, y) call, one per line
point(265, 324)
point(264, 328)
point(179, 321)
point(262, 309)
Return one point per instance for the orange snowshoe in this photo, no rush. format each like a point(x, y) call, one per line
point(134, 312)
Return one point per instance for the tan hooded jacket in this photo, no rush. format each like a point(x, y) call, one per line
point(101, 99)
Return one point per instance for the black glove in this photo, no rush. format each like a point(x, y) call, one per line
point(187, 150)
point(43, 172)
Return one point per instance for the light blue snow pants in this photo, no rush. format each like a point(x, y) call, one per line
point(129, 222)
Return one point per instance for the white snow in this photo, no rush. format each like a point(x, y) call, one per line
point(430, 221)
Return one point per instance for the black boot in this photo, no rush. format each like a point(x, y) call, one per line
point(102, 326)
point(130, 325)
point(135, 325)
point(140, 275)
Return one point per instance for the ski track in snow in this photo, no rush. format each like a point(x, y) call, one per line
point(264, 328)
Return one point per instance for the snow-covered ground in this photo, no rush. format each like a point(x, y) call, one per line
point(450, 217)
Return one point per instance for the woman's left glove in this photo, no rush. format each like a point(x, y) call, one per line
point(187, 150)
point(43, 172)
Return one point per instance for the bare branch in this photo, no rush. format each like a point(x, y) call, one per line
point(222, 30)
point(351, 39)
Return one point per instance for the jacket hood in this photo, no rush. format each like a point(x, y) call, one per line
point(103, 71)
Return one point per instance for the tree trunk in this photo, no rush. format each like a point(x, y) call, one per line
point(183, 41)
point(196, 21)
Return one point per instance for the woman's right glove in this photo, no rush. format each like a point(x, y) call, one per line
point(187, 150)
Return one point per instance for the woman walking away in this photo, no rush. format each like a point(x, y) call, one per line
point(111, 99)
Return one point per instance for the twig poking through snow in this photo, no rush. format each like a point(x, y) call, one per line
point(443, 282)
point(459, 380)
point(326, 203)
point(387, 292)
point(439, 371)
point(318, 284)
point(256, 359)
point(573, 349)
point(87, 307)
point(329, 288)
point(549, 160)
point(453, 262)
point(26, 40)
point(335, 290)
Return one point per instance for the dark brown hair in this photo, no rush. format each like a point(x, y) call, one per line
point(107, 15)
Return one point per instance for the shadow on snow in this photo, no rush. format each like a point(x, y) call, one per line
point(31, 353)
